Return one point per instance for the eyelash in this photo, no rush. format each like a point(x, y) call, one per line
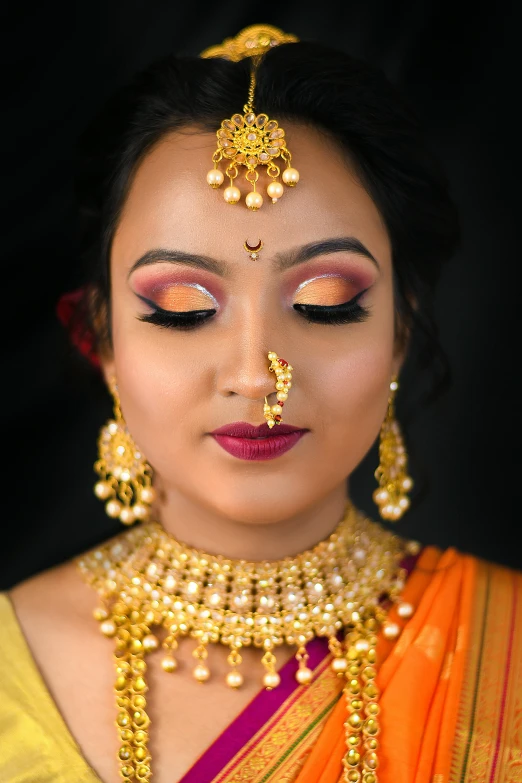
point(348, 312)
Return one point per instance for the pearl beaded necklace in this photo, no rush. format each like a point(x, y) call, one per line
point(147, 580)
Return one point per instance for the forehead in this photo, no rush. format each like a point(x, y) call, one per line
point(170, 204)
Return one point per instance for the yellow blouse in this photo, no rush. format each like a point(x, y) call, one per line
point(35, 743)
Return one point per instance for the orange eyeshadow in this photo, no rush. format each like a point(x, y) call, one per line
point(324, 291)
point(181, 298)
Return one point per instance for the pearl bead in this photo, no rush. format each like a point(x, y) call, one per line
point(201, 672)
point(381, 496)
point(272, 356)
point(404, 503)
point(280, 386)
point(140, 511)
point(234, 679)
point(127, 516)
point(102, 490)
point(339, 665)
point(290, 177)
point(275, 190)
point(232, 194)
point(108, 628)
point(148, 495)
point(117, 471)
point(407, 483)
point(391, 630)
point(100, 613)
point(405, 610)
point(271, 680)
point(304, 676)
point(277, 409)
point(254, 200)
point(150, 642)
point(282, 396)
point(113, 508)
point(215, 178)
point(169, 664)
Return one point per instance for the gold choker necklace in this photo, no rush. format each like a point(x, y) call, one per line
point(146, 579)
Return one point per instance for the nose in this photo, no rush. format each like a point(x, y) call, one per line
point(245, 373)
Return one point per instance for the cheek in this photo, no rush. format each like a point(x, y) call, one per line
point(157, 381)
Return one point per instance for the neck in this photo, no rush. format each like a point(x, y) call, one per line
point(250, 539)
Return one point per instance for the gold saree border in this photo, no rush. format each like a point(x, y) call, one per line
point(283, 748)
point(488, 739)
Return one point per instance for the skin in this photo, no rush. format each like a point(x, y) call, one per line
point(177, 386)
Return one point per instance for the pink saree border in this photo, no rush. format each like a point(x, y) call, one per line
point(257, 714)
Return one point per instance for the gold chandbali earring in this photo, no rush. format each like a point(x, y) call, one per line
point(155, 591)
point(283, 372)
point(251, 139)
point(394, 482)
point(125, 475)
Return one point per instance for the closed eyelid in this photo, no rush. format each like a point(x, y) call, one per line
point(181, 297)
point(326, 290)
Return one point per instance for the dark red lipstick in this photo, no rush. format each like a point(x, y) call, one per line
point(246, 441)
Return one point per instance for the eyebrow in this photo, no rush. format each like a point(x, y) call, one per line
point(282, 261)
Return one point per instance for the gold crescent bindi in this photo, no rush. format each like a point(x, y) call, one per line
point(253, 251)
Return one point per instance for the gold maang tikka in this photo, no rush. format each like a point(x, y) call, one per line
point(283, 372)
point(251, 139)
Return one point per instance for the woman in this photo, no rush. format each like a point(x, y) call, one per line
point(253, 357)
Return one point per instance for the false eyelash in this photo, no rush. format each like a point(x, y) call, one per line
point(348, 312)
point(170, 320)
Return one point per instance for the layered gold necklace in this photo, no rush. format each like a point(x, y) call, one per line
point(155, 591)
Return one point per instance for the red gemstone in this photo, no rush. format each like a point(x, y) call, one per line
point(285, 383)
point(280, 403)
point(283, 362)
point(277, 418)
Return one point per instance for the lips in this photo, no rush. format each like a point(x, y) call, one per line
point(248, 442)
point(241, 429)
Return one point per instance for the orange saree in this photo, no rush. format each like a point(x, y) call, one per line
point(451, 693)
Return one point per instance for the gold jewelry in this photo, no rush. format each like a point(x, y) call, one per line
point(253, 252)
point(394, 482)
point(283, 372)
point(251, 139)
point(146, 579)
point(125, 476)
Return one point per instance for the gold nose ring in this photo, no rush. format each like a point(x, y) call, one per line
point(283, 371)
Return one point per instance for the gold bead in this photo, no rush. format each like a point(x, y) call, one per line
point(339, 666)
point(355, 720)
point(353, 757)
point(139, 684)
point(169, 664)
point(391, 630)
point(271, 680)
point(148, 495)
point(215, 178)
point(127, 516)
point(290, 177)
point(100, 613)
point(150, 642)
point(140, 754)
point(254, 200)
point(113, 508)
point(275, 190)
point(405, 610)
point(232, 194)
point(102, 490)
point(304, 676)
point(201, 672)
point(234, 679)
point(108, 628)
point(126, 771)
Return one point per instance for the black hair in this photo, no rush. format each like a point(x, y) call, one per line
point(305, 83)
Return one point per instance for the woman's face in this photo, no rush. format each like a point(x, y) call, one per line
point(179, 247)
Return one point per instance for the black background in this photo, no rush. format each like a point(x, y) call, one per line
point(457, 65)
